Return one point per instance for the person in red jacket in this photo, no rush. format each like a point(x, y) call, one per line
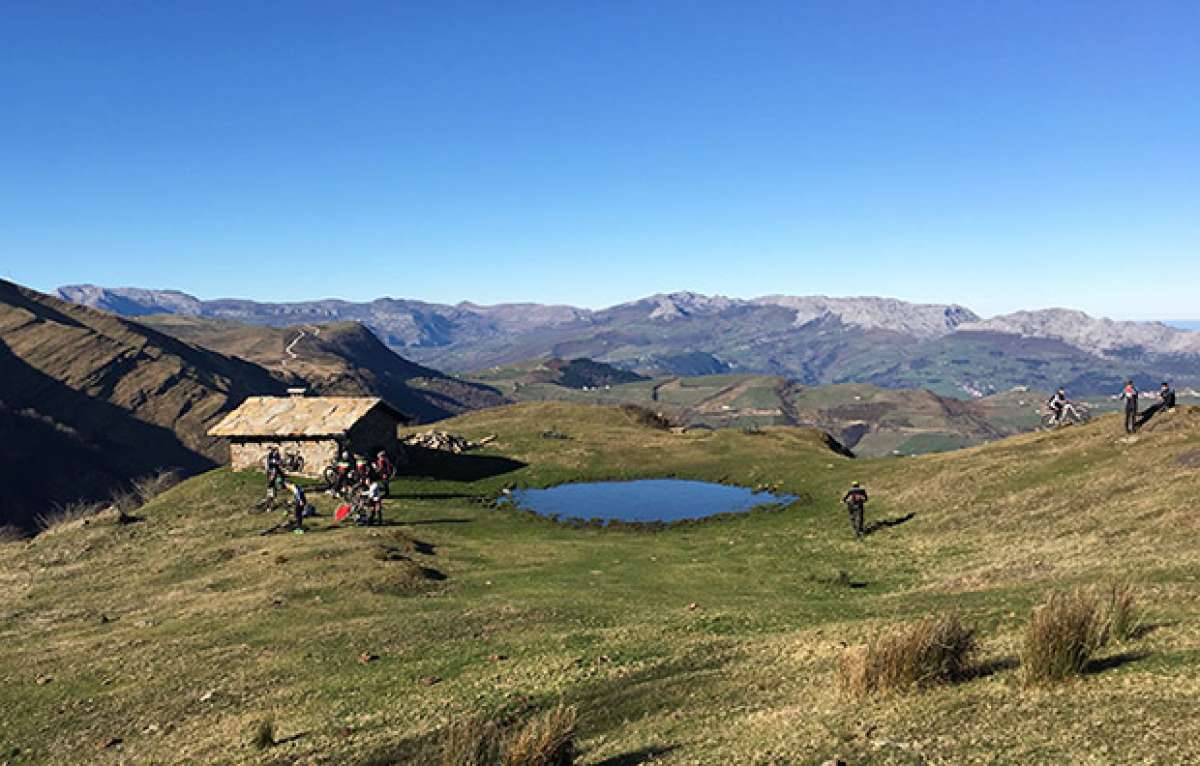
point(856, 501)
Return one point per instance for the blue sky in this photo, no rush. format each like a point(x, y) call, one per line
point(1003, 155)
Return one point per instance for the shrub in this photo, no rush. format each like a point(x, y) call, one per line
point(935, 650)
point(471, 742)
point(65, 514)
point(1121, 617)
point(547, 739)
point(1063, 634)
point(262, 734)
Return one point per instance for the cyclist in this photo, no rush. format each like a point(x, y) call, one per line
point(855, 501)
point(299, 504)
point(274, 465)
point(1057, 404)
point(384, 470)
point(373, 498)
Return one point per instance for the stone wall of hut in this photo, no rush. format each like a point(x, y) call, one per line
point(250, 454)
point(376, 430)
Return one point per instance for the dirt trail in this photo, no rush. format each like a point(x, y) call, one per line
point(289, 348)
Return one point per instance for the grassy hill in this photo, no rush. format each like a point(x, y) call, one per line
point(337, 358)
point(873, 421)
point(89, 400)
point(713, 643)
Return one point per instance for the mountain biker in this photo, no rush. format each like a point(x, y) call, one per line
point(1130, 395)
point(345, 472)
point(855, 501)
point(373, 497)
point(299, 503)
point(384, 469)
point(1057, 404)
point(274, 465)
point(362, 471)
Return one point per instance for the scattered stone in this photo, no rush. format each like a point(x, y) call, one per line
point(281, 559)
point(108, 743)
point(151, 729)
point(207, 696)
point(444, 442)
point(834, 762)
point(429, 680)
point(104, 619)
point(366, 657)
point(693, 606)
point(496, 658)
point(43, 679)
point(345, 731)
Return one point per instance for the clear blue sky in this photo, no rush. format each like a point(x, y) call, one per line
point(999, 154)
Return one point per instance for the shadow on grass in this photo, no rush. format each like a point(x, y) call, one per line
point(989, 668)
point(885, 523)
point(637, 757)
point(447, 466)
point(1145, 629)
point(1115, 661)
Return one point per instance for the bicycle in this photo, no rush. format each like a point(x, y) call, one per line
point(1072, 414)
point(293, 462)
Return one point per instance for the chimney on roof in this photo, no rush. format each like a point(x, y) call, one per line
point(298, 391)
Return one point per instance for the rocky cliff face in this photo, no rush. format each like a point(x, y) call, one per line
point(1097, 336)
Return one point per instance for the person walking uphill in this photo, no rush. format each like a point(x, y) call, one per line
point(1130, 395)
point(856, 500)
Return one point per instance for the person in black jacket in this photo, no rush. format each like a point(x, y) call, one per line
point(1166, 402)
point(856, 500)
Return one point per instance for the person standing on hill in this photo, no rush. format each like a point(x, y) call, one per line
point(274, 467)
point(856, 501)
point(1130, 395)
point(299, 504)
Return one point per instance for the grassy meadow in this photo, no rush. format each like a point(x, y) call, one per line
point(173, 638)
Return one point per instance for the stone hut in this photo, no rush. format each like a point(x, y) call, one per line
point(316, 427)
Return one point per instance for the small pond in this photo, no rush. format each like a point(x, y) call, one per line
point(645, 500)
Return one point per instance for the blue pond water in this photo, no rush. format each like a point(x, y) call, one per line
point(643, 500)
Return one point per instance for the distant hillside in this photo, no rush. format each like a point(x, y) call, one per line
point(89, 400)
point(814, 339)
point(340, 358)
point(871, 420)
point(568, 373)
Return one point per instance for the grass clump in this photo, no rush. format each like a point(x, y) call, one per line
point(1063, 635)
point(936, 650)
point(151, 486)
point(67, 513)
point(262, 734)
point(547, 739)
point(1122, 617)
point(471, 742)
point(645, 417)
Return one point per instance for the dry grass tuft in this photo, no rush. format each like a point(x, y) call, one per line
point(65, 514)
point(1122, 616)
point(262, 734)
point(10, 533)
point(547, 739)
point(936, 650)
point(1063, 634)
point(471, 742)
point(149, 487)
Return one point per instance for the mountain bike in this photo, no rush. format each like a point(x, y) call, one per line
point(1072, 413)
point(293, 462)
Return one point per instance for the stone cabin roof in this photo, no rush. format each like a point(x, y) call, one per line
point(300, 416)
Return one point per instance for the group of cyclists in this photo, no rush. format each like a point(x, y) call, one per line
point(361, 483)
point(1060, 410)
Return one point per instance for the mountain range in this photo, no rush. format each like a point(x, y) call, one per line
point(813, 339)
